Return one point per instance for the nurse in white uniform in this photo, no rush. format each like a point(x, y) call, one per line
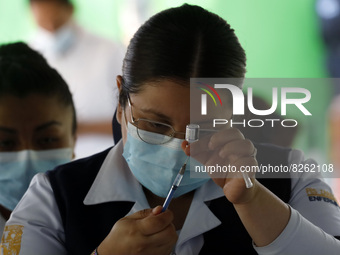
point(37, 122)
point(88, 63)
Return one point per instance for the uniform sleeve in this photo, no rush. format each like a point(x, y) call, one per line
point(315, 217)
point(35, 226)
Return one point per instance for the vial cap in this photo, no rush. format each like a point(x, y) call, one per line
point(192, 133)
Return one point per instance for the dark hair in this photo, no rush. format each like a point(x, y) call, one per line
point(179, 44)
point(24, 71)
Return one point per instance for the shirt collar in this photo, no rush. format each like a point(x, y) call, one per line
point(199, 212)
point(115, 176)
point(115, 182)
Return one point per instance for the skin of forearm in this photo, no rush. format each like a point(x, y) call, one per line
point(264, 217)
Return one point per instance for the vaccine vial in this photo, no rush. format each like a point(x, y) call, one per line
point(192, 133)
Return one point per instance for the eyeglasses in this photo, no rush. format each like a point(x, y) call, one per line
point(155, 127)
point(154, 132)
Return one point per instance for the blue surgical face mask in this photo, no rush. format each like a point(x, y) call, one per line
point(156, 166)
point(18, 168)
point(56, 43)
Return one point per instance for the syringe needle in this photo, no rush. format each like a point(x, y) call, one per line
point(174, 186)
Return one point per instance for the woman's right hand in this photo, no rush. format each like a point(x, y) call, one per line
point(144, 232)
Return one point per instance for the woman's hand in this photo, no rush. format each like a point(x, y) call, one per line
point(262, 213)
point(144, 232)
point(227, 148)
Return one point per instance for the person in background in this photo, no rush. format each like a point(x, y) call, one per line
point(112, 200)
point(87, 62)
point(334, 141)
point(328, 12)
point(37, 122)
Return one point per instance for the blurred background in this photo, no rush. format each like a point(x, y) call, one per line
point(283, 39)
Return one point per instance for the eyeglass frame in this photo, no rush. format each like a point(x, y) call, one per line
point(135, 123)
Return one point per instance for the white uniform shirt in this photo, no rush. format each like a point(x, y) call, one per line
point(89, 64)
point(42, 231)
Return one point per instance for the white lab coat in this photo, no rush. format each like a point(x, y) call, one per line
point(89, 64)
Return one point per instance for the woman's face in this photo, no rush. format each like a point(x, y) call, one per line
point(51, 15)
point(164, 101)
point(35, 122)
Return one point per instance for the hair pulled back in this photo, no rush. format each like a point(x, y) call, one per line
point(24, 71)
point(178, 44)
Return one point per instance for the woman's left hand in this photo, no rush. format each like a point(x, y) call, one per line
point(262, 213)
point(230, 149)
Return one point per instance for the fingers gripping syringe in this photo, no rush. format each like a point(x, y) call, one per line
point(192, 135)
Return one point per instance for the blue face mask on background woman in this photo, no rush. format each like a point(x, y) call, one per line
point(156, 166)
point(18, 168)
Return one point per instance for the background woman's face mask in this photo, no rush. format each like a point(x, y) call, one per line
point(156, 166)
point(18, 168)
point(57, 43)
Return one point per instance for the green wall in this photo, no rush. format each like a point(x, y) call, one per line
point(281, 39)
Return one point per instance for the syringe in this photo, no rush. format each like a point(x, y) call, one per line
point(192, 135)
point(174, 186)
